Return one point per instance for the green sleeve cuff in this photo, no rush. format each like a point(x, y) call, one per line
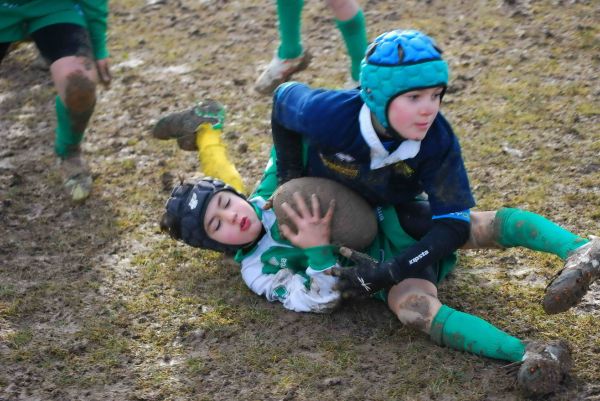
point(321, 257)
point(100, 52)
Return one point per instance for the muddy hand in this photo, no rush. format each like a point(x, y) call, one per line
point(366, 277)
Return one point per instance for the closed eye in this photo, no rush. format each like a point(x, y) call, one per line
point(213, 224)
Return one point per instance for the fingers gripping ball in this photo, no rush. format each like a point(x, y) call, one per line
point(354, 223)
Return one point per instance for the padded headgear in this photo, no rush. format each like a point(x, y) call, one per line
point(187, 205)
point(397, 62)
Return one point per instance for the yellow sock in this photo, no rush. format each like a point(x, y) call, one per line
point(213, 157)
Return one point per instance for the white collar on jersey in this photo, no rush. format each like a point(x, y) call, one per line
point(380, 157)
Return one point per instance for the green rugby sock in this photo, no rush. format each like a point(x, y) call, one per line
point(518, 227)
point(354, 32)
point(289, 13)
point(465, 332)
point(66, 140)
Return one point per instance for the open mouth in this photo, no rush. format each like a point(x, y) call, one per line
point(244, 223)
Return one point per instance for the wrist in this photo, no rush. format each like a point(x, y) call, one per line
point(379, 277)
point(321, 257)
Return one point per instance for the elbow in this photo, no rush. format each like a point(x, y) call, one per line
point(456, 231)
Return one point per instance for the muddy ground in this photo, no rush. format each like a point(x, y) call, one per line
point(96, 304)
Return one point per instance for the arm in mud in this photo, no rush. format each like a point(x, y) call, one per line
point(310, 292)
point(96, 16)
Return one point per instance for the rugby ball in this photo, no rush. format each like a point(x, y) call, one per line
point(354, 223)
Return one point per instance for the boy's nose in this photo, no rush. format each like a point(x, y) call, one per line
point(428, 108)
point(228, 216)
point(231, 217)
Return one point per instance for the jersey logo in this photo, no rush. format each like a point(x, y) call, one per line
point(280, 292)
point(418, 257)
point(379, 212)
point(193, 202)
point(465, 215)
point(403, 169)
point(273, 261)
point(345, 157)
point(338, 168)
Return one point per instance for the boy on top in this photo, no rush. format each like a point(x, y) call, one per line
point(389, 142)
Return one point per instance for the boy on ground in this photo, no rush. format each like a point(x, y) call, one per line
point(211, 215)
point(297, 273)
point(71, 36)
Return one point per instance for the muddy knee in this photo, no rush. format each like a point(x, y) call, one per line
point(80, 98)
point(416, 310)
point(80, 93)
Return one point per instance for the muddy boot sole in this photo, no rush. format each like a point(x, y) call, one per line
point(182, 126)
point(573, 282)
point(273, 76)
point(544, 368)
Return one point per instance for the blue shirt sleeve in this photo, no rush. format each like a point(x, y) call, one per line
point(323, 117)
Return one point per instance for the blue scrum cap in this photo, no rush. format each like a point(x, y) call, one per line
point(397, 62)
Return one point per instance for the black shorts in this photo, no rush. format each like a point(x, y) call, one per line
point(57, 41)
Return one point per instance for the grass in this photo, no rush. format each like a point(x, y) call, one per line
point(94, 299)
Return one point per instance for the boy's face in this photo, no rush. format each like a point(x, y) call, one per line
point(412, 113)
point(231, 220)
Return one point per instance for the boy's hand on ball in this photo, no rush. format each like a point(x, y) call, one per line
point(312, 229)
point(354, 222)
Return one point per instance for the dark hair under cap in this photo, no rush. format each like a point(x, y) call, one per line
point(184, 219)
